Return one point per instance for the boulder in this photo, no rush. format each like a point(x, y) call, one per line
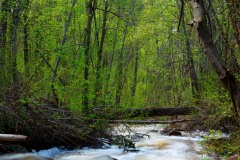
point(165, 130)
point(174, 133)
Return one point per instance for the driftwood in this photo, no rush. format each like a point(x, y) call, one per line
point(12, 138)
point(148, 121)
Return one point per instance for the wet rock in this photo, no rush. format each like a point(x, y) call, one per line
point(184, 127)
point(21, 156)
point(138, 136)
point(165, 130)
point(153, 130)
point(234, 157)
point(104, 157)
point(174, 133)
point(49, 152)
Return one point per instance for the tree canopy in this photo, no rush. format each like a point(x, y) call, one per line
point(120, 53)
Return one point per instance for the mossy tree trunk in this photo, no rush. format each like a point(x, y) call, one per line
point(224, 73)
point(87, 44)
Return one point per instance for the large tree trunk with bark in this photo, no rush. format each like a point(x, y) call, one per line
point(190, 62)
point(170, 111)
point(87, 42)
point(225, 75)
point(150, 112)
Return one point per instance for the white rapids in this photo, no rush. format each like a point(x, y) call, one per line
point(157, 147)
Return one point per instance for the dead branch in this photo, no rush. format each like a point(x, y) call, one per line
point(12, 138)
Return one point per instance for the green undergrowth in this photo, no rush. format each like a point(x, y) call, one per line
point(223, 147)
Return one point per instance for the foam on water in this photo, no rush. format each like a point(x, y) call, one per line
point(157, 147)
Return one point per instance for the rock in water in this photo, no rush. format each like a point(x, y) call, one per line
point(49, 152)
point(234, 157)
point(104, 157)
point(22, 156)
point(174, 133)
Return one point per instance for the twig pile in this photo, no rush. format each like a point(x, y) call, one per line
point(47, 125)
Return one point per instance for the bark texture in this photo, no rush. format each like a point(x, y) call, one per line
point(87, 42)
point(225, 75)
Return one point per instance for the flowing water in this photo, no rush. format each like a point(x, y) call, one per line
point(155, 147)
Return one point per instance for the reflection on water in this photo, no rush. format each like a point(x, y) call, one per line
point(157, 147)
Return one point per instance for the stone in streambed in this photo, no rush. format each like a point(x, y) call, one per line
point(234, 157)
point(174, 133)
point(104, 157)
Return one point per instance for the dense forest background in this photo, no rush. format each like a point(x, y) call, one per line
point(60, 58)
point(126, 53)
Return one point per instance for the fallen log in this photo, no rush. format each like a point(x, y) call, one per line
point(124, 113)
point(12, 138)
point(171, 111)
point(149, 121)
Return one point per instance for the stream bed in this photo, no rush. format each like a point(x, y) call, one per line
point(154, 147)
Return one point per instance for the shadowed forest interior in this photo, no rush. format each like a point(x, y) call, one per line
point(98, 59)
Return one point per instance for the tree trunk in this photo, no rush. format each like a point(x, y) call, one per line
point(110, 63)
point(148, 121)
point(87, 41)
point(25, 40)
point(150, 112)
point(57, 61)
point(12, 138)
point(193, 74)
point(134, 86)
point(120, 70)
point(3, 31)
point(225, 75)
point(171, 111)
point(98, 85)
point(4, 9)
point(234, 6)
point(14, 41)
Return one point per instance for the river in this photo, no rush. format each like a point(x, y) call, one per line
point(155, 147)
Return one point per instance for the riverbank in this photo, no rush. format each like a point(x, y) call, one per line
point(47, 125)
point(151, 145)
